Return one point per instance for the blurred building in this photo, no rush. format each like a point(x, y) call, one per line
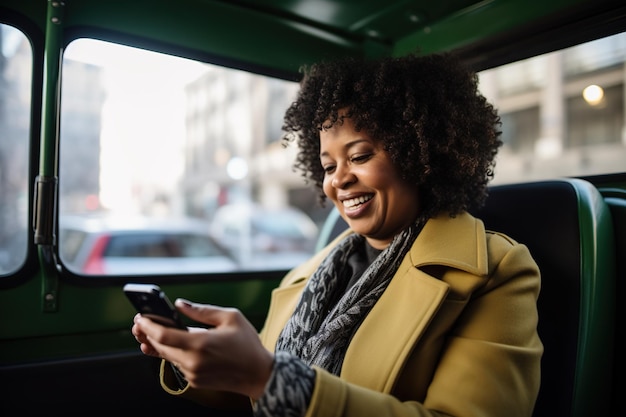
point(15, 135)
point(562, 113)
point(81, 114)
point(232, 157)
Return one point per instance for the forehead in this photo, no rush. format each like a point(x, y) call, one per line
point(342, 138)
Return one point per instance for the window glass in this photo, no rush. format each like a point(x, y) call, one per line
point(562, 113)
point(15, 102)
point(152, 137)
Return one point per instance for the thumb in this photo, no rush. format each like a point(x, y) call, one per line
point(202, 313)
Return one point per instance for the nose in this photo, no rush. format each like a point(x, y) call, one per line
point(343, 177)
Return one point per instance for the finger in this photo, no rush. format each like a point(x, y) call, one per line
point(139, 335)
point(166, 352)
point(204, 313)
point(157, 333)
point(147, 349)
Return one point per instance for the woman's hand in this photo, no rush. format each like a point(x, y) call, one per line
point(228, 356)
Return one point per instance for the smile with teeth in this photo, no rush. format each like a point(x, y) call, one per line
point(354, 202)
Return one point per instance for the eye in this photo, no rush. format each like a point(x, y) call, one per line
point(328, 168)
point(360, 158)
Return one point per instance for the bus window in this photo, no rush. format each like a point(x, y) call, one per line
point(16, 59)
point(562, 113)
point(146, 136)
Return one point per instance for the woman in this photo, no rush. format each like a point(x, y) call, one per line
point(414, 311)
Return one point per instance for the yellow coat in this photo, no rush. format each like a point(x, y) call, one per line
point(455, 332)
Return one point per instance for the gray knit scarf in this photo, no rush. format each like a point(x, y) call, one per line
point(319, 333)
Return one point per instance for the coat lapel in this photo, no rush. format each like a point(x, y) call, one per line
point(392, 328)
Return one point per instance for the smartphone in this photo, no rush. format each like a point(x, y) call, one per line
point(151, 301)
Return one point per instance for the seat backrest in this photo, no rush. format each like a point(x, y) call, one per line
point(616, 200)
point(568, 229)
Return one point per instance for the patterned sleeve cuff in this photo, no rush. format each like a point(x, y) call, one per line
point(288, 390)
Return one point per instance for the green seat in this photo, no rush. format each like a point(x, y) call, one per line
point(616, 200)
point(568, 228)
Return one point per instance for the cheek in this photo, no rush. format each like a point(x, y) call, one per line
point(380, 178)
point(328, 188)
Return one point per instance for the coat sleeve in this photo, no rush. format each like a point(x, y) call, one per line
point(490, 361)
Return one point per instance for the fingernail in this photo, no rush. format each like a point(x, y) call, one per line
point(181, 302)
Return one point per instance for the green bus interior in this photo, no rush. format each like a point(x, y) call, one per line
point(117, 117)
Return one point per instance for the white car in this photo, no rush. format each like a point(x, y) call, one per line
point(264, 238)
point(139, 246)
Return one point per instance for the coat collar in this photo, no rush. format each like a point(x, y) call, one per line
point(457, 242)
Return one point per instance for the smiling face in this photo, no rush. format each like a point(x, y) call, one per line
point(364, 185)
